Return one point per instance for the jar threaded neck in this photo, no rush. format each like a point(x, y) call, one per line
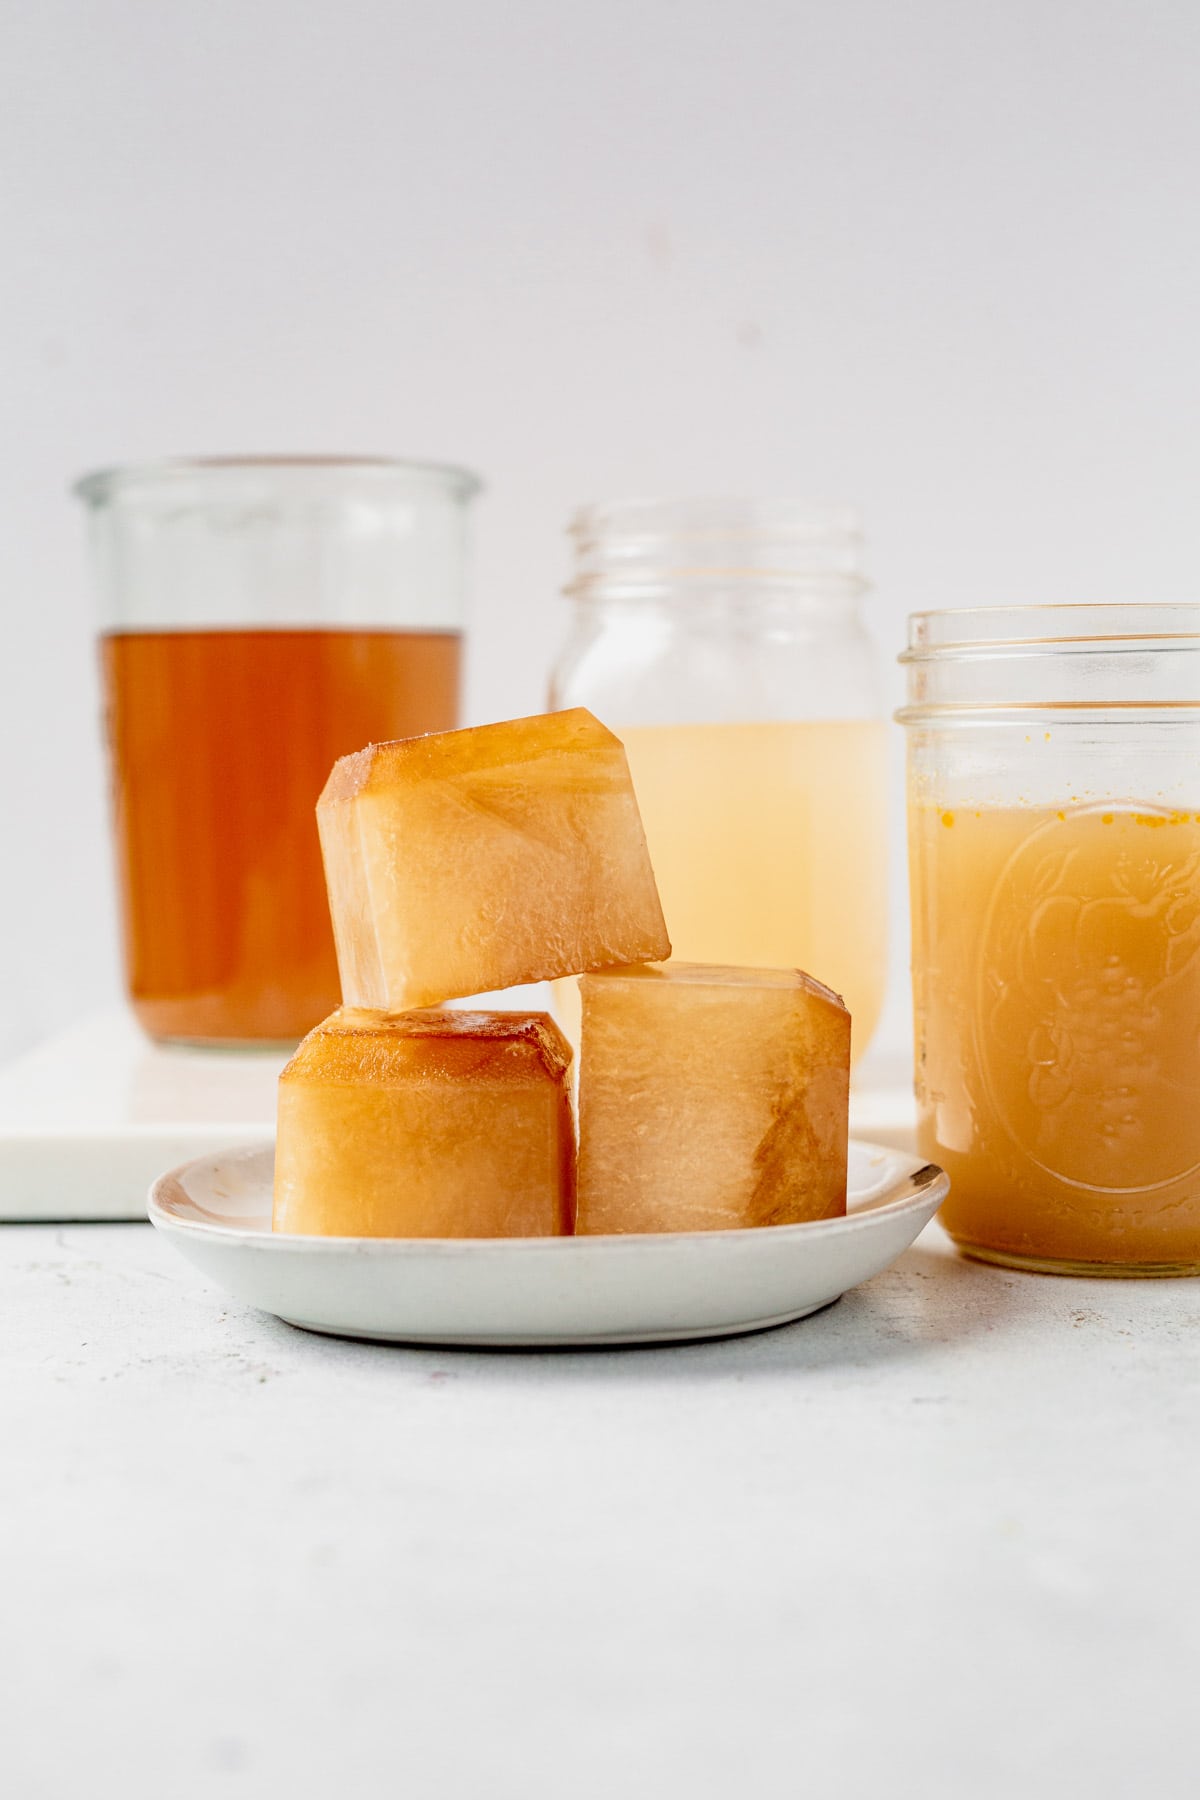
point(650, 549)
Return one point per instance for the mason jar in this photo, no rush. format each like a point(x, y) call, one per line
point(1054, 820)
point(724, 642)
point(259, 617)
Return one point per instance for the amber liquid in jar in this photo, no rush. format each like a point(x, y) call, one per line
point(1056, 958)
point(221, 742)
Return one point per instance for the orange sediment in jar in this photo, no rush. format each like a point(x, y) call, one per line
point(1056, 982)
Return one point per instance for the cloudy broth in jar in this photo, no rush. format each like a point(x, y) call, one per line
point(725, 643)
point(1056, 983)
point(769, 847)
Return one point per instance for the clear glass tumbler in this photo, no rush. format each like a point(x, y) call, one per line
point(259, 618)
point(723, 640)
point(1054, 821)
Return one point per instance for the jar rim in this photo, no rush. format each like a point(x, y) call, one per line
point(115, 481)
point(1086, 627)
point(1083, 663)
point(718, 515)
point(638, 549)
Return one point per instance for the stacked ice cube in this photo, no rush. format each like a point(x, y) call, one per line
point(472, 861)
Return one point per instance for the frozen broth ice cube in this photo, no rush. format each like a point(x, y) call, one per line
point(470, 861)
point(710, 1098)
point(427, 1124)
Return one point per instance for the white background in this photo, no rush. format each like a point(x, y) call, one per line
point(941, 259)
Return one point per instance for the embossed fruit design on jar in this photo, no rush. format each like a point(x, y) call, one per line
point(1054, 825)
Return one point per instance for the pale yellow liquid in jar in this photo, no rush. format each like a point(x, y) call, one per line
point(769, 848)
point(1056, 982)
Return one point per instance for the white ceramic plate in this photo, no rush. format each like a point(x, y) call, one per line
point(548, 1291)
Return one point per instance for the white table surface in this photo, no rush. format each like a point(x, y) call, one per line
point(940, 1540)
point(937, 1541)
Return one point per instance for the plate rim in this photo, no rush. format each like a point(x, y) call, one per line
point(925, 1186)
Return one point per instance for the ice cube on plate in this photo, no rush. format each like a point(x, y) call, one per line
point(427, 1124)
point(710, 1098)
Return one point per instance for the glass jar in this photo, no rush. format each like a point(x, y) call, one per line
point(1054, 821)
point(723, 641)
point(259, 618)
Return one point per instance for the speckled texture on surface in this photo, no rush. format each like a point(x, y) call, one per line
point(937, 1541)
